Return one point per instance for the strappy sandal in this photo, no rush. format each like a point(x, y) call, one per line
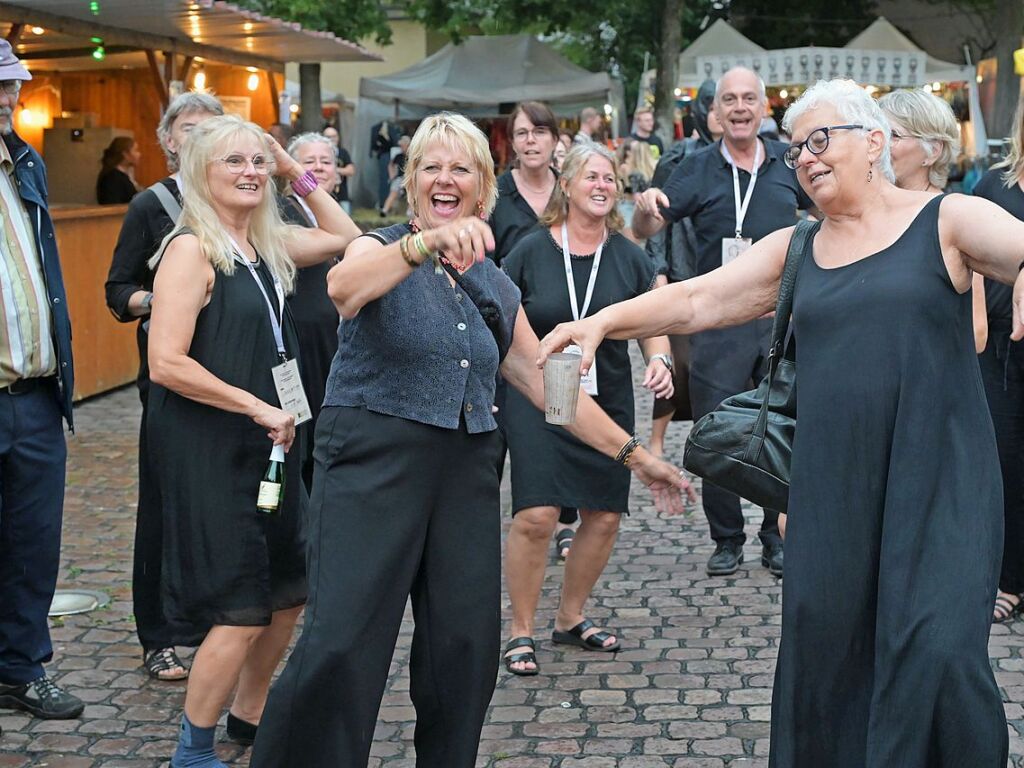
point(563, 541)
point(526, 656)
point(594, 642)
point(1005, 609)
point(164, 664)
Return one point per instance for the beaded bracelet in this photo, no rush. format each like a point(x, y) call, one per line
point(305, 184)
point(403, 246)
point(626, 451)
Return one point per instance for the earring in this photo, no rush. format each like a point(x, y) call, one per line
point(480, 210)
point(870, 174)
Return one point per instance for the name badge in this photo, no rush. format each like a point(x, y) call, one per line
point(734, 247)
point(588, 383)
point(290, 391)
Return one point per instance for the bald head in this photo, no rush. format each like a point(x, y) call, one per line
point(740, 104)
point(742, 76)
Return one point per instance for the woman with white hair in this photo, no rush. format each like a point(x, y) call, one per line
point(218, 339)
point(924, 139)
point(892, 551)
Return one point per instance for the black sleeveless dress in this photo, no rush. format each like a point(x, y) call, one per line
point(225, 563)
point(895, 530)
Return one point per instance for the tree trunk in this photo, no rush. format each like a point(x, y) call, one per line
point(668, 69)
point(1011, 27)
point(309, 89)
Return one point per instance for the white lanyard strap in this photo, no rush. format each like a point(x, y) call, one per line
point(741, 207)
point(571, 281)
point(308, 210)
point(276, 319)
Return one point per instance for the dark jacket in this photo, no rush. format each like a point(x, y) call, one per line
point(30, 176)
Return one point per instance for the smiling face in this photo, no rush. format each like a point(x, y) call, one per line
point(244, 189)
point(592, 191)
point(318, 157)
point(910, 162)
point(843, 166)
point(740, 105)
point(447, 185)
point(533, 144)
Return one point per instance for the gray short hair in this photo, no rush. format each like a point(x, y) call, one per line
point(760, 81)
point(190, 101)
point(853, 104)
point(930, 121)
point(310, 137)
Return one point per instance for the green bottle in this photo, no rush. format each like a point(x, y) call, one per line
point(268, 501)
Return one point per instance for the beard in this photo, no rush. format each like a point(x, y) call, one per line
point(6, 120)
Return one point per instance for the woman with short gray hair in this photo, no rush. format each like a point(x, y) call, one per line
point(892, 552)
point(925, 138)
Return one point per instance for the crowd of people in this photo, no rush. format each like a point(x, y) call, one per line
point(383, 375)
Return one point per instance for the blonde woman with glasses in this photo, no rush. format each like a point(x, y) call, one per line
point(218, 339)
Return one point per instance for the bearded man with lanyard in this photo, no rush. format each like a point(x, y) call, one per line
point(736, 191)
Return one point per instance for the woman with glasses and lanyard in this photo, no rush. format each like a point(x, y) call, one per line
point(577, 264)
point(895, 532)
point(222, 356)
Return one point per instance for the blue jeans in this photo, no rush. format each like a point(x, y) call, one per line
point(32, 459)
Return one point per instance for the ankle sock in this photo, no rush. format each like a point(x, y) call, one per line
point(195, 747)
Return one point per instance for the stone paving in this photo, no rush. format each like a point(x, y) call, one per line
point(691, 687)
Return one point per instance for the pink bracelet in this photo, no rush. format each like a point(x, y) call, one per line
point(305, 184)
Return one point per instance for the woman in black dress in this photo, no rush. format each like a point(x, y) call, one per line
point(895, 532)
point(219, 326)
point(1002, 370)
point(577, 264)
point(116, 182)
point(313, 312)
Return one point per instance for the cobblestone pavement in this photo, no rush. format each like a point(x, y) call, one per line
point(690, 689)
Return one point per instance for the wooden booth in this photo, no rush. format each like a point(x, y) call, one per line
point(109, 68)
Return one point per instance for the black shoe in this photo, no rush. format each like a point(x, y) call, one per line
point(241, 731)
point(42, 698)
point(771, 557)
point(726, 559)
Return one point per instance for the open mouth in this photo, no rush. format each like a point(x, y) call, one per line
point(247, 187)
point(444, 204)
point(814, 177)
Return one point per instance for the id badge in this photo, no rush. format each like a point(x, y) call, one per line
point(734, 247)
point(290, 391)
point(589, 382)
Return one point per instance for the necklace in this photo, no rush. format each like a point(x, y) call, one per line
point(415, 227)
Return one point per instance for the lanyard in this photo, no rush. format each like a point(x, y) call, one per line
point(308, 210)
point(276, 319)
point(741, 208)
point(571, 281)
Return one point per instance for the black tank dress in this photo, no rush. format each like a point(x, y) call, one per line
point(225, 563)
point(895, 530)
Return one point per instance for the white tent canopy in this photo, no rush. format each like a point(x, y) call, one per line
point(883, 36)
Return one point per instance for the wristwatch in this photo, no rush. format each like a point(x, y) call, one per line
point(666, 359)
point(147, 302)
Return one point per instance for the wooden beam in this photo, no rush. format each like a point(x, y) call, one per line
point(168, 68)
point(275, 96)
point(158, 81)
point(71, 53)
point(15, 34)
point(112, 36)
point(186, 67)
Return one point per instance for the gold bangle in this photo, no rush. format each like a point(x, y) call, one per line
point(421, 245)
point(403, 246)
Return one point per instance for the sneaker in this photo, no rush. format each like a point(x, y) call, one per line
point(726, 559)
point(43, 698)
point(771, 557)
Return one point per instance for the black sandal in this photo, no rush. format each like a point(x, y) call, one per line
point(526, 656)
point(563, 542)
point(162, 661)
point(1005, 610)
point(594, 642)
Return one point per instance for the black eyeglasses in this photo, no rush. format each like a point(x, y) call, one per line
point(816, 143)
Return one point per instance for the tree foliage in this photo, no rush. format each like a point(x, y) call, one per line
point(349, 19)
point(825, 23)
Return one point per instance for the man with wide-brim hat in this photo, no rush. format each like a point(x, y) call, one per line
point(36, 383)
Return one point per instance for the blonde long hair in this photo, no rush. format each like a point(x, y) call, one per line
point(1014, 162)
point(267, 231)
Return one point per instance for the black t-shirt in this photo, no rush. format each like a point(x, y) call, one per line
point(999, 297)
point(512, 218)
point(114, 187)
point(344, 158)
point(652, 139)
point(701, 187)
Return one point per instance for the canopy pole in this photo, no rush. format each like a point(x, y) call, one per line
point(396, 110)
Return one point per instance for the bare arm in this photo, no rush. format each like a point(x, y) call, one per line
point(740, 291)
point(593, 426)
point(370, 269)
point(184, 282)
point(347, 170)
point(980, 313)
point(990, 241)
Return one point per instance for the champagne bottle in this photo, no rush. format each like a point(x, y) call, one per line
point(268, 501)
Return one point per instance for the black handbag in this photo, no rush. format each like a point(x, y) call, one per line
point(745, 445)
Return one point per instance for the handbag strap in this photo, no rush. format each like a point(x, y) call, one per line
point(803, 232)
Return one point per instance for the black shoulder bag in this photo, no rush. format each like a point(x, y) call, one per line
point(745, 445)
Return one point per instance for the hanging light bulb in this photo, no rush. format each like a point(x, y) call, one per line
point(253, 82)
point(199, 81)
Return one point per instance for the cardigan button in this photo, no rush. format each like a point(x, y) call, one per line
point(469, 407)
point(464, 363)
point(461, 326)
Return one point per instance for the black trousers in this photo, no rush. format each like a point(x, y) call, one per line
point(723, 363)
point(1002, 370)
point(399, 509)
